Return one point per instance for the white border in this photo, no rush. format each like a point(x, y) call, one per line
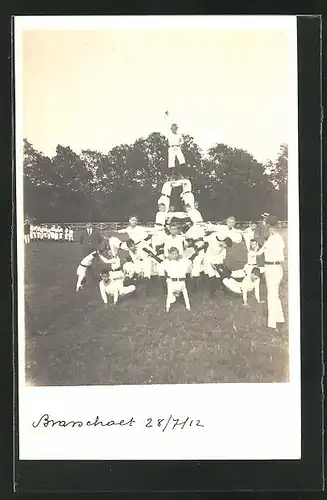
point(242, 421)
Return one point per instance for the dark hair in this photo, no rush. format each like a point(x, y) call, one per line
point(173, 249)
point(256, 271)
point(228, 242)
point(253, 239)
point(104, 271)
point(272, 221)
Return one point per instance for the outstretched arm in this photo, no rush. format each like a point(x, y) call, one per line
point(257, 291)
point(245, 296)
point(262, 249)
point(103, 292)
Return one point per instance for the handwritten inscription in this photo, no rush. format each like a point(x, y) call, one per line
point(170, 423)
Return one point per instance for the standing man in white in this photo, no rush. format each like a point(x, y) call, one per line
point(175, 141)
point(273, 250)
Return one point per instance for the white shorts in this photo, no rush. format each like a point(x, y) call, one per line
point(175, 287)
point(175, 152)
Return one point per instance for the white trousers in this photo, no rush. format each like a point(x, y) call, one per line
point(175, 152)
point(188, 199)
point(26, 238)
point(139, 267)
point(174, 288)
point(209, 261)
point(274, 275)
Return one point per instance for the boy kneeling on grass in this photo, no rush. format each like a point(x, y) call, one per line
point(112, 283)
point(250, 282)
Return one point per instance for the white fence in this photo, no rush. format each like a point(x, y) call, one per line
point(115, 226)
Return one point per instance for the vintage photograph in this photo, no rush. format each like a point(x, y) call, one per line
point(154, 210)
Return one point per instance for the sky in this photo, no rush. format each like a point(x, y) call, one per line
point(96, 88)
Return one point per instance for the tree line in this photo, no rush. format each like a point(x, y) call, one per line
point(71, 187)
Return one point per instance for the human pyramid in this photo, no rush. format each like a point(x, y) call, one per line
point(181, 254)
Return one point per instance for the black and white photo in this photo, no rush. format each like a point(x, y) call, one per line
point(157, 231)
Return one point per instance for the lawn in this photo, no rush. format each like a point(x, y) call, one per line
point(136, 341)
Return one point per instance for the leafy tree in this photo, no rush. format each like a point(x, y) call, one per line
point(278, 175)
point(128, 179)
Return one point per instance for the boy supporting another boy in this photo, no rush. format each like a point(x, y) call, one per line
point(249, 283)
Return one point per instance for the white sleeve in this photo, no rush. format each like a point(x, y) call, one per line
point(103, 292)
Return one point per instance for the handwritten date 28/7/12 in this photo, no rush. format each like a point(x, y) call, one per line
point(171, 423)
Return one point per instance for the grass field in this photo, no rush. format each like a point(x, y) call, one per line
point(136, 341)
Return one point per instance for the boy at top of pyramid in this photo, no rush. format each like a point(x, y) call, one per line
point(175, 141)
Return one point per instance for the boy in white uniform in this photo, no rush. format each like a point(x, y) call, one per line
point(248, 234)
point(140, 263)
point(176, 268)
point(250, 282)
point(112, 283)
point(194, 214)
point(158, 238)
point(175, 141)
point(214, 256)
point(251, 262)
point(71, 234)
point(66, 233)
point(138, 234)
point(227, 230)
point(174, 239)
point(105, 256)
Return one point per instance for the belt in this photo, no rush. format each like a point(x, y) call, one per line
point(272, 263)
point(83, 265)
point(166, 195)
point(185, 192)
point(115, 270)
point(159, 224)
point(176, 279)
point(145, 239)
